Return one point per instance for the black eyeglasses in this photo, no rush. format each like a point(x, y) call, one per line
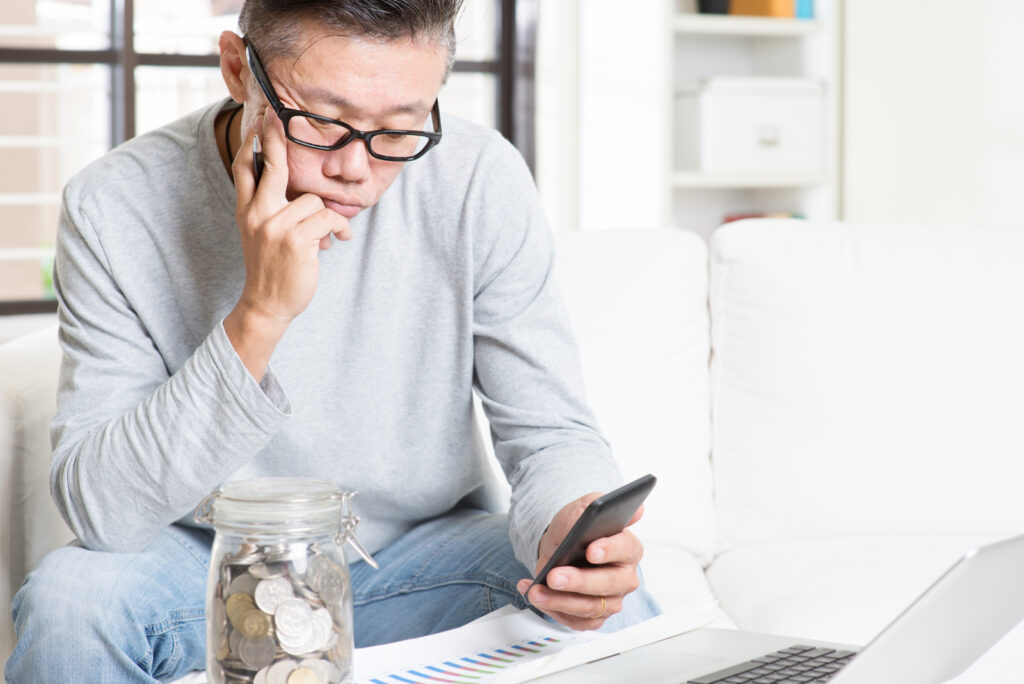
point(323, 133)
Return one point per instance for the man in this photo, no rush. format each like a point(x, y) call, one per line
point(314, 325)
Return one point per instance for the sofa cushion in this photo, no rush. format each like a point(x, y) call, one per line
point(637, 300)
point(676, 579)
point(866, 379)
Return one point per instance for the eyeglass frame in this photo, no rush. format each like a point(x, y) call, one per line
point(285, 114)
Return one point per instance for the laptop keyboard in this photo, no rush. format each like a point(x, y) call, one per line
point(793, 665)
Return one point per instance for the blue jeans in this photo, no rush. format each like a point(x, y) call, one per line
point(86, 616)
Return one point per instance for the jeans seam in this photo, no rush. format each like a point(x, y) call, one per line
point(191, 550)
point(491, 582)
point(172, 625)
point(415, 579)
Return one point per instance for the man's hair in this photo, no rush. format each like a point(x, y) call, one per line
point(275, 26)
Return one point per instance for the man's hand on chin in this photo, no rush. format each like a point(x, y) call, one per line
point(583, 598)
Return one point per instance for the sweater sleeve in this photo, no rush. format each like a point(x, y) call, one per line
point(136, 446)
point(527, 365)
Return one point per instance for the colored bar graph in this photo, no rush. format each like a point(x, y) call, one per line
point(470, 669)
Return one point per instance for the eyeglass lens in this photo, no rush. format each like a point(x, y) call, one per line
point(318, 132)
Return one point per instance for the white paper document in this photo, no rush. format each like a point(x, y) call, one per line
point(510, 646)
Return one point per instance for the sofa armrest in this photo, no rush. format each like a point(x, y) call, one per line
point(29, 522)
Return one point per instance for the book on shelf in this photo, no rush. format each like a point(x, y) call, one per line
point(799, 9)
point(740, 215)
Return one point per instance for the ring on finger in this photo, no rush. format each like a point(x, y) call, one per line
point(604, 607)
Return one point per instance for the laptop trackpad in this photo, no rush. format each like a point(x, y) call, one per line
point(653, 664)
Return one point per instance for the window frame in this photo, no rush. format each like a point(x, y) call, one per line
point(513, 66)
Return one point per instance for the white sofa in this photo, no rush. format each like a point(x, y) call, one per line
point(834, 413)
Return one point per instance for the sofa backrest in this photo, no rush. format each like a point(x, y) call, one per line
point(637, 300)
point(867, 379)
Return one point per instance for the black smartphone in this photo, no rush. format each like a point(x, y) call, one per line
point(606, 515)
point(257, 159)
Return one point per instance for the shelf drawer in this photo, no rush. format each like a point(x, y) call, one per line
point(750, 124)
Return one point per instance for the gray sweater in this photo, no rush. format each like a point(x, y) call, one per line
point(445, 287)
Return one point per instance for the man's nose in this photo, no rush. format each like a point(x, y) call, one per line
point(350, 163)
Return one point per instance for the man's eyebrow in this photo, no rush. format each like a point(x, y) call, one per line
point(334, 99)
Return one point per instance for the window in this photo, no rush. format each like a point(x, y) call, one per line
point(80, 76)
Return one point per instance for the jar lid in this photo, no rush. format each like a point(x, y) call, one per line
point(283, 506)
point(287, 501)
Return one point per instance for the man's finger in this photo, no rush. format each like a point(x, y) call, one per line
point(623, 547)
point(601, 581)
point(274, 182)
point(320, 225)
point(576, 605)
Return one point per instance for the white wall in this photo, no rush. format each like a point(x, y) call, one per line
point(601, 68)
point(557, 112)
point(934, 110)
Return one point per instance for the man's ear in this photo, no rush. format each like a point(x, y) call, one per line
point(233, 66)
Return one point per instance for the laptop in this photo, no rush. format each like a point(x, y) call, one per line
point(967, 610)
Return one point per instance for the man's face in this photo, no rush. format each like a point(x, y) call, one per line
point(367, 84)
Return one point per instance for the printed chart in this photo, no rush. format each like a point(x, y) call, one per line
point(471, 669)
point(510, 646)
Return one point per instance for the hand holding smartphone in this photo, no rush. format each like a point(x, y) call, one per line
point(604, 517)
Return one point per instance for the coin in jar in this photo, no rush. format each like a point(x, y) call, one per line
point(244, 583)
point(303, 675)
point(321, 667)
point(257, 653)
point(271, 593)
point(279, 671)
point(293, 617)
point(255, 624)
point(267, 570)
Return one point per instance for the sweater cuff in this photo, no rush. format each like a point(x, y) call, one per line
point(265, 400)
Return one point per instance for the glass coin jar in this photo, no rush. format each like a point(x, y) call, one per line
point(278, 596)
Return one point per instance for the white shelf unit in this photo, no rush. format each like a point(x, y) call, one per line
point(701, 46)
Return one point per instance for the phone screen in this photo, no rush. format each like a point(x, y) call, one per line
point(605, 516)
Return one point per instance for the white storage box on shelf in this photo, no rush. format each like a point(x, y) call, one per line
point(729, 123)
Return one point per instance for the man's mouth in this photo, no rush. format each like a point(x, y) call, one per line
point(346, 210)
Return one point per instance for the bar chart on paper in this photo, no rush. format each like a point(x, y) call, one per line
point(473, 668)
point(510, 646)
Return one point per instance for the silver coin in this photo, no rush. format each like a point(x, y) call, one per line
point(323, 627)
point(261, 676)
point(302, 645)
point(257, 653)
point(244, 583)
point(271, 593)
point(279, 671)
point(268, 570)
point(293, 617)
point(306, 592)
point(242, 558)
point(320, 667)
point(328, 580)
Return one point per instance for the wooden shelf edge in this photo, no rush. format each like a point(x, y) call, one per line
point(702, 179)
point(727, 25)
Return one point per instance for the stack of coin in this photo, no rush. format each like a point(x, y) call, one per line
point(280, 615)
